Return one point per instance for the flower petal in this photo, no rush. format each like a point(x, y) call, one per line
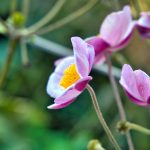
point(59, 106)
point(128, 81)
point(136, 101)
point(54, 79)
point(143, 84)
point(144, 20)
point(122, 44)
point(64, 64)
point(99, 46)
point(84, 55)
point(74, 91)
point(117, 26)
point(143, 24)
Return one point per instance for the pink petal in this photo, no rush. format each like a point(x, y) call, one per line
point(144, 20)
point(143, 84)
point(122, 44)
point(59, 106)
point(84, 55)
point(137, 101)
point(143, 24)
point(128, 81)
point(74, 91)
point(116, 27)
point(100, 46)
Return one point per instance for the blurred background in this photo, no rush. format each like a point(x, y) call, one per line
point(25, 121)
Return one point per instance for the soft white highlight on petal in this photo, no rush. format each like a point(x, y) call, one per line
point(144, 20)
point(53, 87)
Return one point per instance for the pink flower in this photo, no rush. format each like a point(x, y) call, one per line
point(115, 33)
point(143, 24)
point(137, 85)
point(71, 75)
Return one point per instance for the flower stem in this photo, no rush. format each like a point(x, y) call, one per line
point(48, 17)
point(68, 18)
point(117, 98)
point(25, 9)
point(139, 128)
point(11, 50)
point(13, 6)
point(24, 53)
point(132, 126)
point(101, 118)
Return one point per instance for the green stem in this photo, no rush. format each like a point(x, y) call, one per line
point(11, 50)
point(25, 8)
point(24, 53)
point(68, 18)
point(133, 126)
point(48, 17)
point(13, 6)
point(101, 118)
point(125, 126)
point(117, 98)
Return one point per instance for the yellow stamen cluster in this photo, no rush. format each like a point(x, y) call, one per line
point(70, 76)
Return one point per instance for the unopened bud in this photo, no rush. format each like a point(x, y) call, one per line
point(17, 19)
point(94, 145)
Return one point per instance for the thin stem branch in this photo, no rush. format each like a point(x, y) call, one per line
point(48, 17)
point(126, 126)
point(133, 126)
point(24, 53)
point(68, 18)
point(13, 6)
point(11, 50)
point(101, 118)
point(25, 8)
point(117, 98)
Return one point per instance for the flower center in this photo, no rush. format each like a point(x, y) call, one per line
point(70, 76)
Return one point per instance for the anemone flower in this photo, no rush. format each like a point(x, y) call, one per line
point(137, 85)
point(115, 33)
point(143, 24)
point(71, 74)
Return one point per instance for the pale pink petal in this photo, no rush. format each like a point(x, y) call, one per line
point(91, 56)
point(117, 26)
point(128, 81)
point(143, 25)
point(144, 20)
point(84, 55)
point(60, 106)
point(136, 101)
point(100, 46)
point(143, 84)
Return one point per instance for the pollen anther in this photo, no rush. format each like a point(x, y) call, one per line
point(70, 76)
